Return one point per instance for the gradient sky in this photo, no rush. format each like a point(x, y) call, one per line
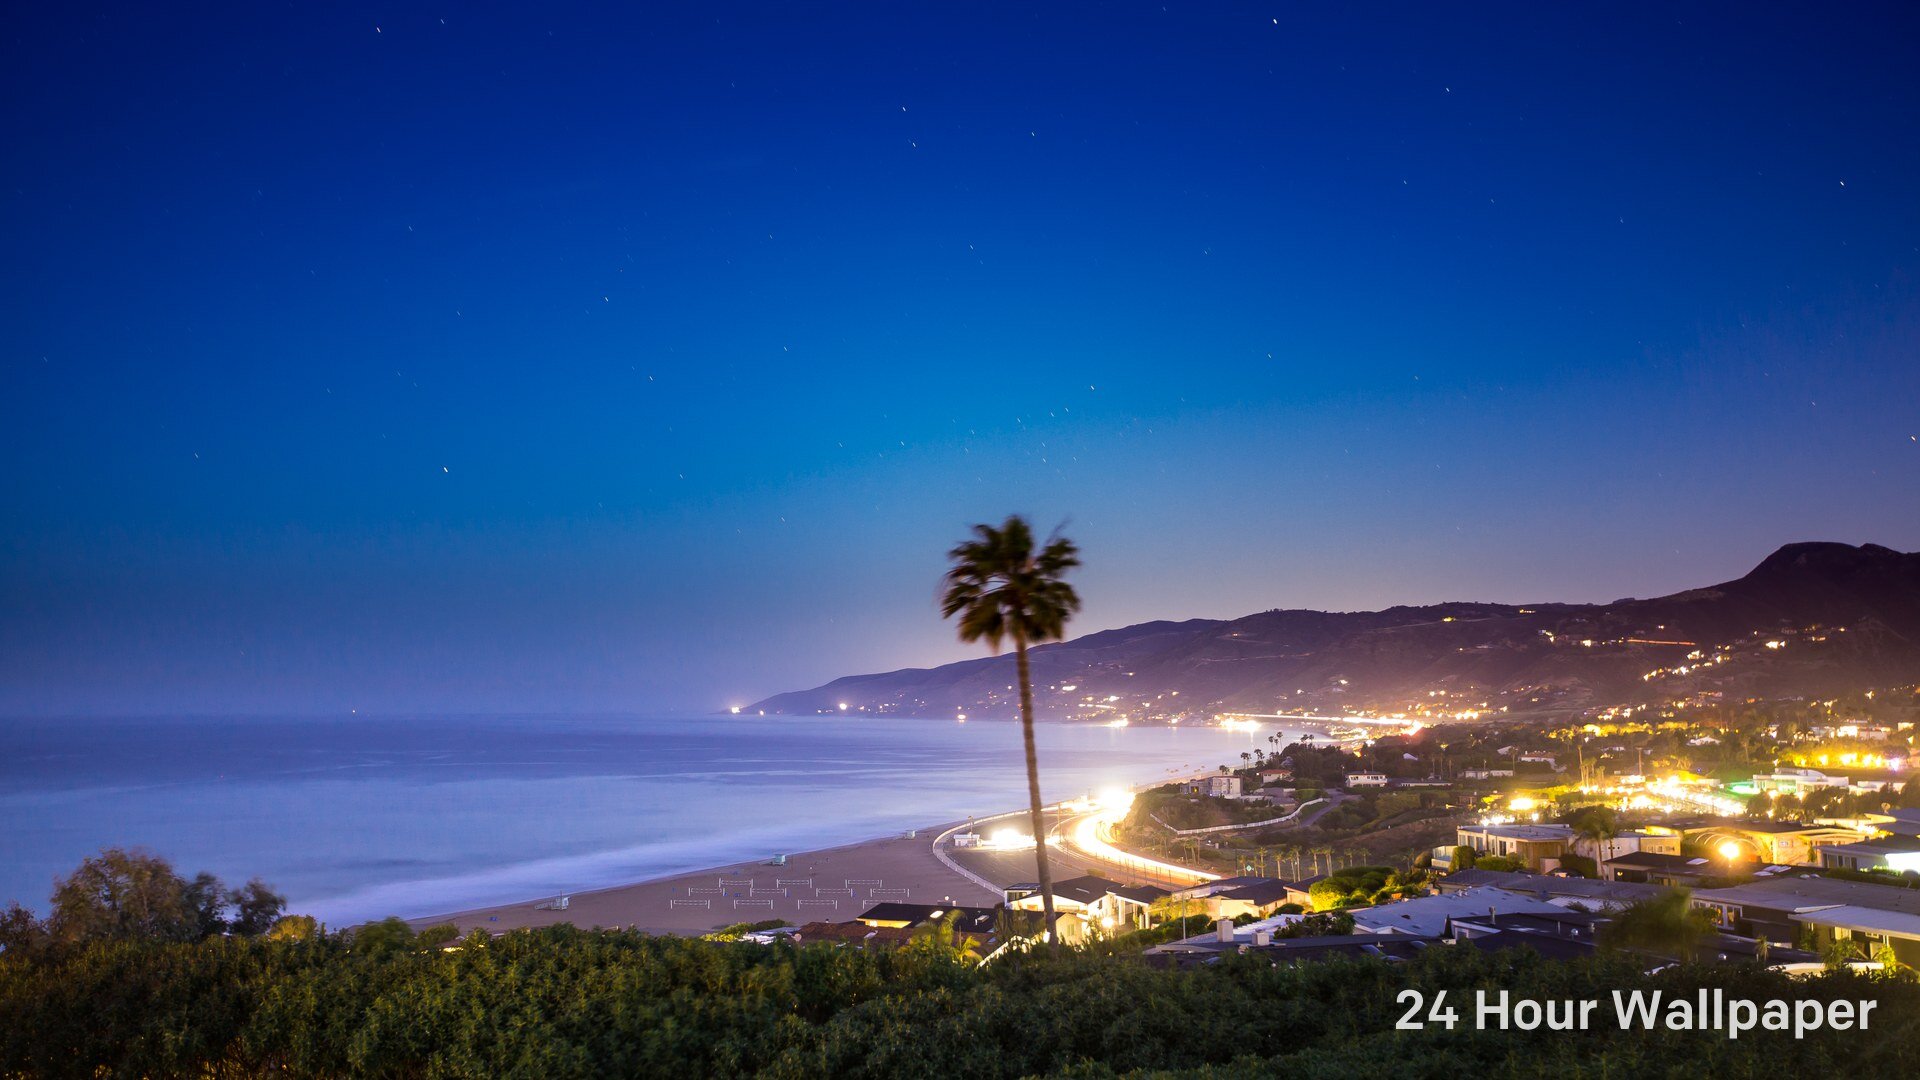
point(404, 359)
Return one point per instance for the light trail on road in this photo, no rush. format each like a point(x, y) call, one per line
point(1084, 835)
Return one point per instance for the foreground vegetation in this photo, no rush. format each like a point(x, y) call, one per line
point(562, 1002)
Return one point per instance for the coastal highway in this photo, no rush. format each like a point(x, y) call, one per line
point(1079, 846)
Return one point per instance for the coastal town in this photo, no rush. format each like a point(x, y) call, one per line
point(1786, 832)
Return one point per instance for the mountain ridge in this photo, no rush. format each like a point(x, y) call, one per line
point(1840, 617)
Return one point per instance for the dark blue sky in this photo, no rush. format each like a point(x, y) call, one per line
point(407, 359)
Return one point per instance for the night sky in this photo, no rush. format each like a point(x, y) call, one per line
point(401, 359)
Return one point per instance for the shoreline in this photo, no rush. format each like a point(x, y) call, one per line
point(839, 883)
point(834, 883)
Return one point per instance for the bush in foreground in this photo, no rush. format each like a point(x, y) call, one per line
point(563, 1002)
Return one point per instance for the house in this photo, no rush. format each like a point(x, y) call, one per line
point(1366, 779)
point(1796, 781)
point(1572, 935)
point(855, 934)
point(1900, 821)
point(1299, 892)
point(1788, 842)
point(1485, 774)
point(1659, 868)
point(1275, 776)
point(1094, 902)
point(1537, 847)
point(1223, 786)
point(1259, 939)
point(1778, 908)
point(1666, 842)
point(1428, 915)
point(1559, 891)
point(1867, 929)
point(984, 928)
point(1230, 898)
point(1900, 854)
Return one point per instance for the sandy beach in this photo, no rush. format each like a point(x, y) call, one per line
point(832, 884)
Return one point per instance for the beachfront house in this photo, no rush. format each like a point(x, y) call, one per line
point(1095, 903)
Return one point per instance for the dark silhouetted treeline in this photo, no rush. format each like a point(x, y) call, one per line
point(570, 1003)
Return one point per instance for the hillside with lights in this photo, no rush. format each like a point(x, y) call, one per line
point(1812, 619)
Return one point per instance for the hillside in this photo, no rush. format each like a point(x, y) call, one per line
point(1811, 619)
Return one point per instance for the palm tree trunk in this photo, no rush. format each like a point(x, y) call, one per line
point(1033, 789)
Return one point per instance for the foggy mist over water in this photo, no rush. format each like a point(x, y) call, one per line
point(357, 818)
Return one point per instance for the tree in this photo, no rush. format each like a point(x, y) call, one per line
point(1667, 924)
point(1464, 858)
point(120, 894)
point(1909, 795)
point(294, 928)
point(1598, 824)
point(385, 938)
point(256, 908)
point(1001, 588)
point(21, 932)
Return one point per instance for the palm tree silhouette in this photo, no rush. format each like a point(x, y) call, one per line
point(1002, 588)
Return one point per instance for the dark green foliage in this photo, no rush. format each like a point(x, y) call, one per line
point(123, 894)
point(566, 1003)
point(1580, 864)
point(1325, 924)
point(1668, 925)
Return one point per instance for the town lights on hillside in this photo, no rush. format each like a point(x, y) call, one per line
point(843, 706)
point(1521, 804)
point(1730, 851)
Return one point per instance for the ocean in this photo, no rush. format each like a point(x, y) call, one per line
point(358, 818)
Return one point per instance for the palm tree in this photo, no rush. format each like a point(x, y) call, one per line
point(1002, 588)
point(1598, 824)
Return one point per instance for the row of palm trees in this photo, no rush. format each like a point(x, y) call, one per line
point(1305, 861)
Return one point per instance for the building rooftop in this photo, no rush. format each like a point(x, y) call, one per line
point(1652, 860)
point(1546, 886)
point(1886, 845)
point(969, 920)
point(1088, 889)
point(1863, 919)
point(1551, 946)
point(1772, 828)
point(1428, 915)
point(1259, 892)
point(1523, 832)
point(1812, 893)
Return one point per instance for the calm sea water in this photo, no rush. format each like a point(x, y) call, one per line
point(360, 818)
